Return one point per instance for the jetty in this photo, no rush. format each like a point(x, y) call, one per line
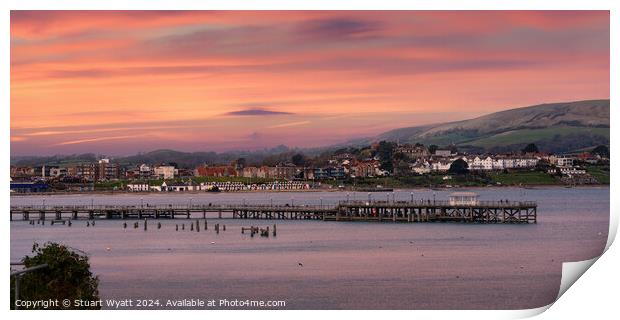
point(462, 207)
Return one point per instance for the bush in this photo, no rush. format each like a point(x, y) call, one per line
point(67, 276)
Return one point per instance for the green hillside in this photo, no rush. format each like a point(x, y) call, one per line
point(555, 127)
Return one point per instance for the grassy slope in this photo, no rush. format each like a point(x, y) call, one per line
point(519, 136)
point(600, 173)
point(525, 178)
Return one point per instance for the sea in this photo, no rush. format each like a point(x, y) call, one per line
point(331, 265)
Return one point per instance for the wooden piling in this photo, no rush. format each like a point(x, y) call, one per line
point(274, 229)
point(197, 225)
point(177, 227)
point(145, 224)
point(159, 225)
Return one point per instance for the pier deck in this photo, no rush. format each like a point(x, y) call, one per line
point(375, 211)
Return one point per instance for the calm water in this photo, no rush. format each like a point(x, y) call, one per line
point(345, 265)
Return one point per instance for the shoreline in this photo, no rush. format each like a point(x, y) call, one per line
point(121, 192)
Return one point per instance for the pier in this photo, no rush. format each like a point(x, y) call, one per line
point(368, 211)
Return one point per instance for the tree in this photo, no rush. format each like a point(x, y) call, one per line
point(385, 151)
point(432, 148)
point(298, 159)
point(240, 163)
point(459, 166)
point(67, 276)
point(602, 151)
point(530, 148)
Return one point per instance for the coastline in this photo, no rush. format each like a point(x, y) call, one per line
point(443, 188)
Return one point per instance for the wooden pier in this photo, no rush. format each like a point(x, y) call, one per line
point(375, 211)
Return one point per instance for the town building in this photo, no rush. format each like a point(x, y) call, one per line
point(165, 172)
point(413, 151)
point(215, 171)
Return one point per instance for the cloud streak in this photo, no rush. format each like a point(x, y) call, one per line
point(257, 112)
point(210, 79)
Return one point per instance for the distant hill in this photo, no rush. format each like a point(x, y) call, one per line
point(553, 127)
point(182, 159)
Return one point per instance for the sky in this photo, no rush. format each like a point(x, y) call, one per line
point(123, 82)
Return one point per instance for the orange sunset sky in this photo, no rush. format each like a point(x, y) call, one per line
point(123, 82)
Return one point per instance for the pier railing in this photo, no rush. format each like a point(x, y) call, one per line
point(326, 206)
point(439, 203)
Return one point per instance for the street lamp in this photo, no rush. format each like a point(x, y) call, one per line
point(433, 197)
point(369, 198)
point(347, 197)
point(412, 197)
point(141, 202)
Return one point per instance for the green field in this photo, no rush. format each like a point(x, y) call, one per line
point(524, 178)
point(600, 173)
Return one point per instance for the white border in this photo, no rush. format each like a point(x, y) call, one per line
point(594, 294)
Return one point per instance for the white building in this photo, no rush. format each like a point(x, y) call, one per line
point(145, 171)
point(165, 172)
point(563, 161)
point(138, 187)
point(499, 163)
point(441, 165)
